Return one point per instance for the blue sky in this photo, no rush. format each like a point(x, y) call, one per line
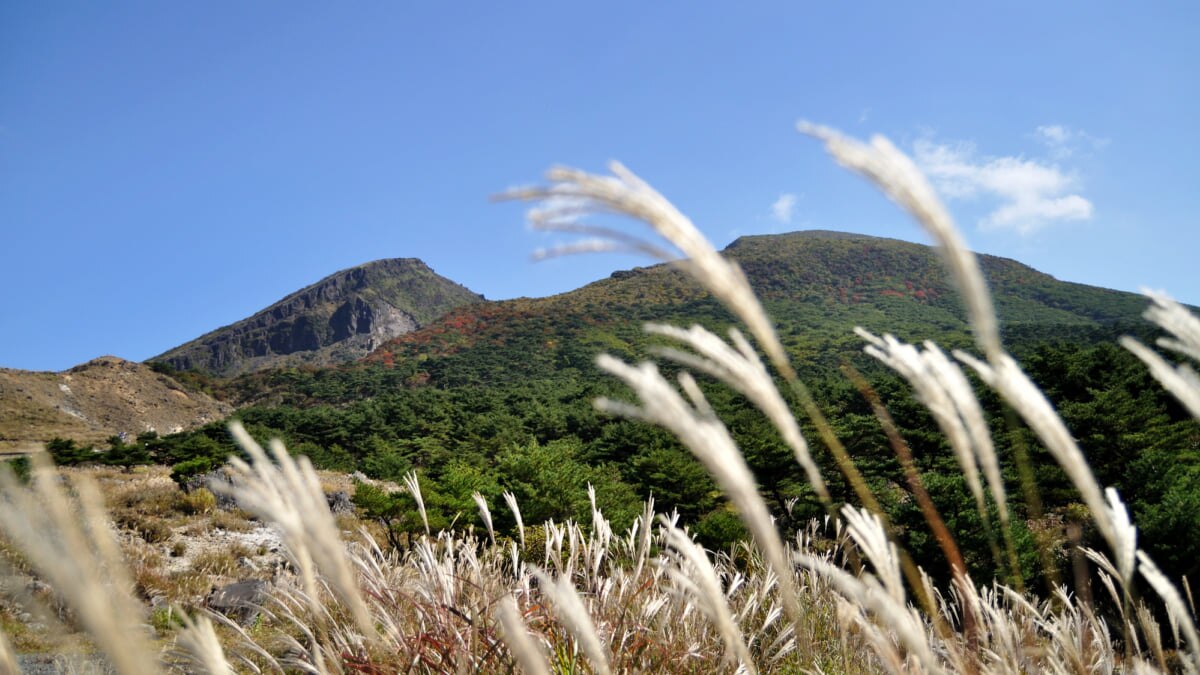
point(169, 168)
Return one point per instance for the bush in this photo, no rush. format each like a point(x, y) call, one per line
point(198, 501)
point(181, 472)
point(720, 530)
point(67, 452)
point(151, 530)
point(20, 468)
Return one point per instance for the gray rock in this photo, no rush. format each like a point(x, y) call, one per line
point(241, 601)
point(340, 502)
point(50, 664)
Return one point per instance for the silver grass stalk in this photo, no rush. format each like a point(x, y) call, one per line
point(1006, 377)
point(520, 643)
point(414, 488)
point(1180, 380)
point(739, 367)
point(900, 179)
point(955, 383)
point(602, 239)
point(288, 493)
point(511, 500)
point(1126, 536)
point(485, 514)
point(867, 531)
point(1176, 320)
point(245, 641)
point(642, 532)
point(201, 643)
point(573, 193)
point(75, 551)
point(924, 371)
point(1176, 609)
point(709, 441)
point(1152, 632)
point(8, 658)
point(601, 529)
point(574, 616)
point(1187, 589)
point(1140, 667)
point(694, 572)
point(868, 595)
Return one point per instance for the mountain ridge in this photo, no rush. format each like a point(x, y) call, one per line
point(816, 285)
point(337, 318)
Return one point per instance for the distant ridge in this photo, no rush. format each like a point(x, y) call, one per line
point(816, 284)
point(339, 318)
point(95, 400)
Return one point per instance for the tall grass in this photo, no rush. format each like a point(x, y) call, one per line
point(838, 596)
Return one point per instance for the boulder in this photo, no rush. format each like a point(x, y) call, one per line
point(340, 502)
point(241, 601)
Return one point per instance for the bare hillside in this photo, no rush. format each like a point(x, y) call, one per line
point(95, 400)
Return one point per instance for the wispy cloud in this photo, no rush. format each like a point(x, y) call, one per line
point(783, 207)
point(1063, 141)
point(1054, 134)
point(1028, 194)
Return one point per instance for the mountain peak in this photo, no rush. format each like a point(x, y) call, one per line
point(339, 318)
point(805, 235)
point(106, 361)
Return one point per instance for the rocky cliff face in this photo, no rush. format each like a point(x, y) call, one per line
point(96, 400)
point(340, 318)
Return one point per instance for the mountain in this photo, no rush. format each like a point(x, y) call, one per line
point(499, 396)
point(816, 285)
point(96, 400)
point(340, 318)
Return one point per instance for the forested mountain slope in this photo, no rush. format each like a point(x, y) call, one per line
point(817, 285)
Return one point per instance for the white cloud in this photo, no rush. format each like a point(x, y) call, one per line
point(1029, 194)
point(1054, 134)
point(783, 207)
point(1063, 141)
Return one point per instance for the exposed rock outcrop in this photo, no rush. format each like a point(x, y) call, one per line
point(241, 601)
point(340, 318)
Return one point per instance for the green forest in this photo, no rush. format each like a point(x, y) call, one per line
point(543, 441)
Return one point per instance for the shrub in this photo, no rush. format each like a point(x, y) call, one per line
point(181, 472)
point(152, 530)
point(66, 452)
point(20, 468)
point(198, 501)
point(222, 561)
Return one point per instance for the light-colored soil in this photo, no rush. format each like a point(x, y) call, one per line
point(96, 400)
